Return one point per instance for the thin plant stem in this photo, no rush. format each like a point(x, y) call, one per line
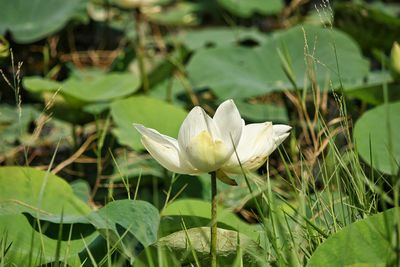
point(213, 249)
point(140, 49)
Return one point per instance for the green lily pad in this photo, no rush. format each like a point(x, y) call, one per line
point(238, 72)
point(179, 247)
point(196, 213)
point(219, 36)
point(37, 84)
point(128, 224)
point(64, 107)
point(371, 89)
point(249, 7)
point(83, 94)
point(263, 112)
point(132, 224)
point(369, 242)
point(30, 21)
point(150, 112)
point(24, 189)
point(138, 217)
point(89, 88)
point(103, 87)
point(376, 137)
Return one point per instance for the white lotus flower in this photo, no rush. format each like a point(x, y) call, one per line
point(208, 144)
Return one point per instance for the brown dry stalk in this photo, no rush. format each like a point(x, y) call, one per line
point(76, 155)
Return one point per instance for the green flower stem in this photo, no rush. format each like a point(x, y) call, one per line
point(213, 250)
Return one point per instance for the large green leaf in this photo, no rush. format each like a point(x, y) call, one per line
point(262, 112)
point(369, 242)
point(247, 8)
point(179, 247)
point(83, 93)
point(33, 20)
point(237, 72)
point(24, 189)
point(218, 36)
point(103, 87)
point(128, 224)
point(150, 112)
point(89, 88)
point(197, 213)
point(137, 217)
point(371, 88)
point(376, 137)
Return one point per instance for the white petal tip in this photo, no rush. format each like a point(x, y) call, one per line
point(279, 139)
point(280, 129)
point(139, 127)
point(228, 102)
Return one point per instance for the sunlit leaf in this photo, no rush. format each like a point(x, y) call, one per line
point(37, 192)
point(196, 213)
point(29, 21)
point(151, 112)
point(369, 242)
point(88, 88)
point(238, 72)
point(376, 137)
point(180, 246)
point(218, 36)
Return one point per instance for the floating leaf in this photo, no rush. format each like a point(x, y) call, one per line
point(133, 222)
point(181, 246)
point(238, 72)
point(130, 225)
point(28, 190)
point(89, 88)
point(369, 242)
point(219, 36)
point(197, 213)
point(102, 88)
point(82, 94)
point(262, 112)
point(30, 21)
point(151, 112)
point(370, 89)
point(376, 137)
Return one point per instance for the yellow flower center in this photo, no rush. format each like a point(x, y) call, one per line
point(207, 154)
